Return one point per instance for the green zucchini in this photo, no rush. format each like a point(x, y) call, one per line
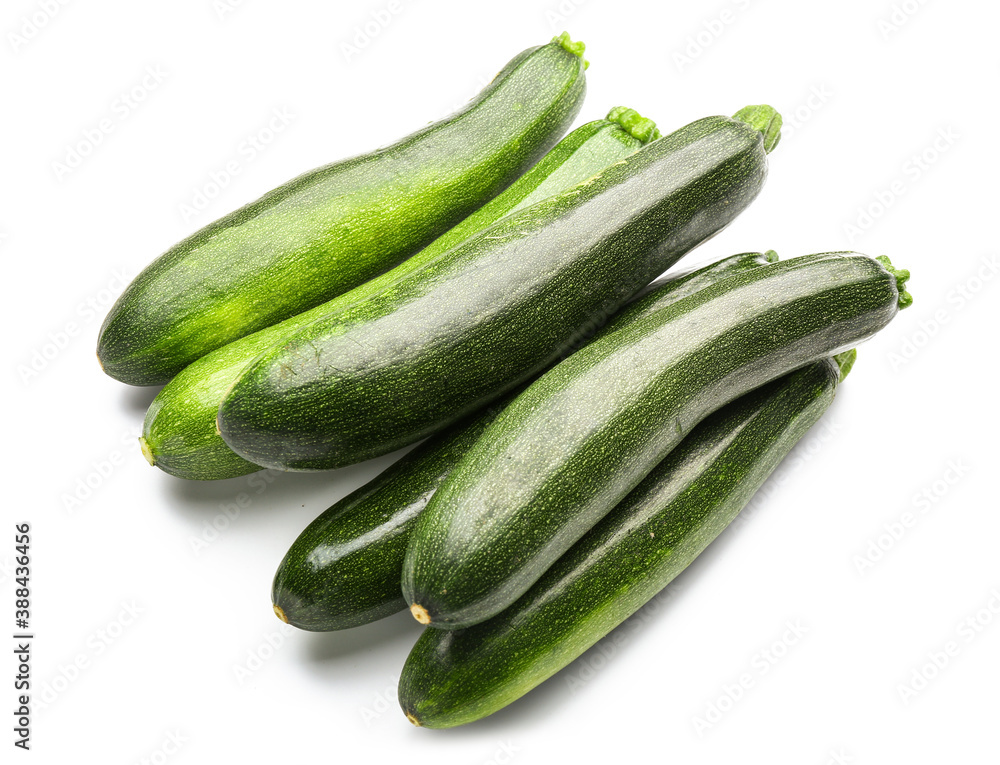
point(179, 433)
point(586, 432)
point(344, 569)
point(336, 227)
point(494, 311)
point(453, 677)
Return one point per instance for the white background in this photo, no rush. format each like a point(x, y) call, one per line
point(891, 113)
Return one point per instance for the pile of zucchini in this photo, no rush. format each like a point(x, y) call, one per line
point(488, 289)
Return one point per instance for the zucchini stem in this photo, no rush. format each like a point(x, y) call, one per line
point(146, 451)
point(771, 256)
point(420, 613)
point(764, 119)
point(901, 274)
point(846, 361)
point(633, 123)
point(576, 48)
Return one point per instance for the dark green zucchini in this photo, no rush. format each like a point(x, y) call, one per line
point(179, 433)
point(453, 677)
point(494, 311)
point(336, 227)
point(585, 433)
point(344, 569)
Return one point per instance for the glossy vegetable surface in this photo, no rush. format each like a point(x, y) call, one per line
point(338, 226)
point(179, 432)
point(453, 677)
point(344, 569)
point(585, 433)
point(494, 311)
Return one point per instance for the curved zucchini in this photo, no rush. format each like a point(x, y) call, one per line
point(585, 433)
point(494, 311)
point(453, 677)
point(344, 569)
point(179, 433)
point(336, 227)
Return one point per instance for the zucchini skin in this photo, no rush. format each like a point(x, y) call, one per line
point(586, 432)
point(344, 569)
point(338, 226)
point(494, 311)
point(179, 432)
point(453, 677)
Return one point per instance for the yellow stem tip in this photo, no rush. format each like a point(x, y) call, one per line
point(146, 451)
point(420, 613)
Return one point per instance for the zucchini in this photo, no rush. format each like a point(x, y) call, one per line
point(494, 311)
point(179, 433)
point(585, 433)
point(344, 569)
point(453, 677)
point(336, 227)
